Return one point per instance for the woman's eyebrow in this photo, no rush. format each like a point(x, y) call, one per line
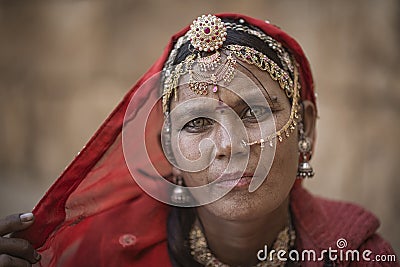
point(255, 99)
point(193, 110)
point(273, 98)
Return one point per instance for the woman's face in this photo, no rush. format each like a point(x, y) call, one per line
point(230, 116)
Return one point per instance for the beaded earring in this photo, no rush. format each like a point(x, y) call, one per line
point(304, 170)
point(179, 194)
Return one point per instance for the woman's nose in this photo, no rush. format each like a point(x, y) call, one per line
point(227, 142)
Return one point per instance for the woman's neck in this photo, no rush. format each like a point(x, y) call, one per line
point(236, 243)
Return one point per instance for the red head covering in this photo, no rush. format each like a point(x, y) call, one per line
point(95, 209)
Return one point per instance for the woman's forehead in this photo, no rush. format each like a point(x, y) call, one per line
point(250, 84)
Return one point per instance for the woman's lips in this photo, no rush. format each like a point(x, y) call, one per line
point(233, 181)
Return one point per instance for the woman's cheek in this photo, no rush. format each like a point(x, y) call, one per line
point(195, 179)
point(185, 151)
point(188, 147)
point(189, 151)
point(286, 157)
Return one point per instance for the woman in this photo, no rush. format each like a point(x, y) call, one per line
point(233, 129)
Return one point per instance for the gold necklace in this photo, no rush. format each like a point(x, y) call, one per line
point(203, 255)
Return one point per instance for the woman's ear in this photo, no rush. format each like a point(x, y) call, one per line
point(309, 115)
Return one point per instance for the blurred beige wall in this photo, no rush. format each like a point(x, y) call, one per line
point(64, 65)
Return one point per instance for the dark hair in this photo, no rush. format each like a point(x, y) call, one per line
point(180, 220)
point(238, 38)
point(179, 224)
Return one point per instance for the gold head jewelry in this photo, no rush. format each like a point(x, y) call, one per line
point(282, 54)
point(253, 57)
point(199, 81)
point(207, 33)
point(210, 69)
point(204, 76)
point(290, 125)
point(210, 62)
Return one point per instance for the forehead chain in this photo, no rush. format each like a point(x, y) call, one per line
point(207, 34)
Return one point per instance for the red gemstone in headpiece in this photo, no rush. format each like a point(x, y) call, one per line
point(206, 32)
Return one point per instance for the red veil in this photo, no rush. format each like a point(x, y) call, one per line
point(95, 214)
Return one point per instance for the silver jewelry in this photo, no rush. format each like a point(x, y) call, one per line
point(180, 194)
point(304, 170)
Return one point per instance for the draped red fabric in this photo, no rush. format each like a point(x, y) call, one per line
point(95, 210)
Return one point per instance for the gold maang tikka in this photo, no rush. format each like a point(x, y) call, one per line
point(207, 33)
point(211, 69)
point(200, 81)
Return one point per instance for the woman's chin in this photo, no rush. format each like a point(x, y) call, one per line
point(242, 205)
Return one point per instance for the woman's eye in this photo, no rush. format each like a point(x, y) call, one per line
point(256, 112)
point(198, 124)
